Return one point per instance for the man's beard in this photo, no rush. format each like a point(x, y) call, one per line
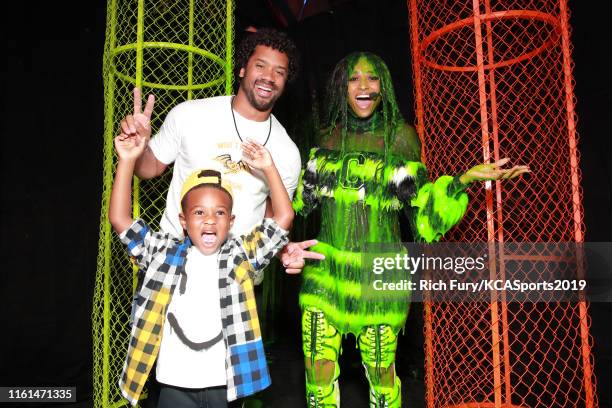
point(252, 98)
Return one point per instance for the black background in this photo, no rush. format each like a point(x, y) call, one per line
point(51, 127)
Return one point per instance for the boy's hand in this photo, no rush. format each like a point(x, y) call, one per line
point(256, 155)
point(139, 123)
point(129, 147)
point(492, 171)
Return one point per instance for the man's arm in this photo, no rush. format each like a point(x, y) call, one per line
point(294, 254)
point(148, 166)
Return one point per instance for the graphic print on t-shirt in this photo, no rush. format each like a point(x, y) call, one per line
point(180, 333)
point(231, 165)
point(192, 351)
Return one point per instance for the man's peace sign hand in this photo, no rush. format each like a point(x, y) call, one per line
point(294, 254)
point(139, 122)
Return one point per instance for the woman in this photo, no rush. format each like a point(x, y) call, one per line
point(365, 171)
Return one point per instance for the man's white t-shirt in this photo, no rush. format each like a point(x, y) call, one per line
point(196, 132)
point(198, 313)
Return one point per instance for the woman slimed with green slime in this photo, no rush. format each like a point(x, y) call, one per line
point(365, 171)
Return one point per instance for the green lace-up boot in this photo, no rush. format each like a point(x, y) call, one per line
point(321, 342)
point(323, 396)
point(386, 397)
point(377, 345)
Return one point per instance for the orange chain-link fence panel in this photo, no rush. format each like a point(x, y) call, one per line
point(493, 79)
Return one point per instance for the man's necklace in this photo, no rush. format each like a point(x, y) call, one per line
point(236, 127)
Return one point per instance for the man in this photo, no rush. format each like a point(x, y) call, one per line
point(213, 128)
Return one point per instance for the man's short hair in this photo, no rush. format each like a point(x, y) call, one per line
point(274, 39)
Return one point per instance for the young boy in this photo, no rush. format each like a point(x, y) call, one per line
point(204, 334)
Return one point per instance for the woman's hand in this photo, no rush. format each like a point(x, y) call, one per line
point(493, 171)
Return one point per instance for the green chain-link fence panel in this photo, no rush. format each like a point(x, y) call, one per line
point(177, 50)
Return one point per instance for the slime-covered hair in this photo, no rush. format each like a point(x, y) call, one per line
point(337, 97)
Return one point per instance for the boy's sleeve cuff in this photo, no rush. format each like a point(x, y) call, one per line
point(270, 223)
point(138, 225)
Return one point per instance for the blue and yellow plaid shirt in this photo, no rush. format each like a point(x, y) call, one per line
point(241, 263)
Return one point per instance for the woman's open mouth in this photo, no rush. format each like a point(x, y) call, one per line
point(363, 101)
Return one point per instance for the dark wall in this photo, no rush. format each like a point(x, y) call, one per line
point(592, 39)
point(52, 117)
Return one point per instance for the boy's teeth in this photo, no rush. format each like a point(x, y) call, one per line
point(208, 238)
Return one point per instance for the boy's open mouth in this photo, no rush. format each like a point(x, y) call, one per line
point(209, 238)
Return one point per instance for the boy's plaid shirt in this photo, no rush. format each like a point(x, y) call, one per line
point(241, 263)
